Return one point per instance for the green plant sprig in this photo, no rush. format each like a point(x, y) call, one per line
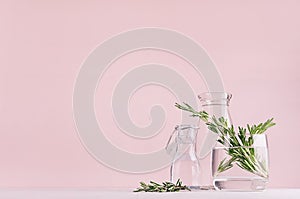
point(240, 142)
point(164, 187)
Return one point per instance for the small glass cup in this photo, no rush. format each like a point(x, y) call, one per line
point(243, 168)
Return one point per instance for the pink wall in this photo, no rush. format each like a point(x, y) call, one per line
point(255, 45)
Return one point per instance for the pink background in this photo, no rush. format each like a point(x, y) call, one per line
point(255, 45)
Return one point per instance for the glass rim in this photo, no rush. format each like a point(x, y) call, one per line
point(221, 95)
point(237, 147)
point(186, 126)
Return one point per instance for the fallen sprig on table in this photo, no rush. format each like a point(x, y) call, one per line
point(164, 187)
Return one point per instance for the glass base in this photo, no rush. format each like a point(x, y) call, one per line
point(194, 187)
point(240, 184)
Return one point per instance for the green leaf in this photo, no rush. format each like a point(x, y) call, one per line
point(164, 187)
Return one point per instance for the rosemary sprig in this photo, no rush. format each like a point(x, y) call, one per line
point(201, 114)
point(164, 187)
point(240, 142)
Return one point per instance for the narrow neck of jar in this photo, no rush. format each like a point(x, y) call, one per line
point(215, 98)
point(186, 134)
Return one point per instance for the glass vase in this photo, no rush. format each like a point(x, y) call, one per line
point(185, 165)
point(217, 104)
point(243, 168)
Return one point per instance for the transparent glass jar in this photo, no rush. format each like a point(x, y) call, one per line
point(244, 168)
point(217, 104)
point(185, 164)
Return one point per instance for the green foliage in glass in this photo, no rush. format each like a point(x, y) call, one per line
point(240, 142)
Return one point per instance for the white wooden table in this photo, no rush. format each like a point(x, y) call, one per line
point(128, 194)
